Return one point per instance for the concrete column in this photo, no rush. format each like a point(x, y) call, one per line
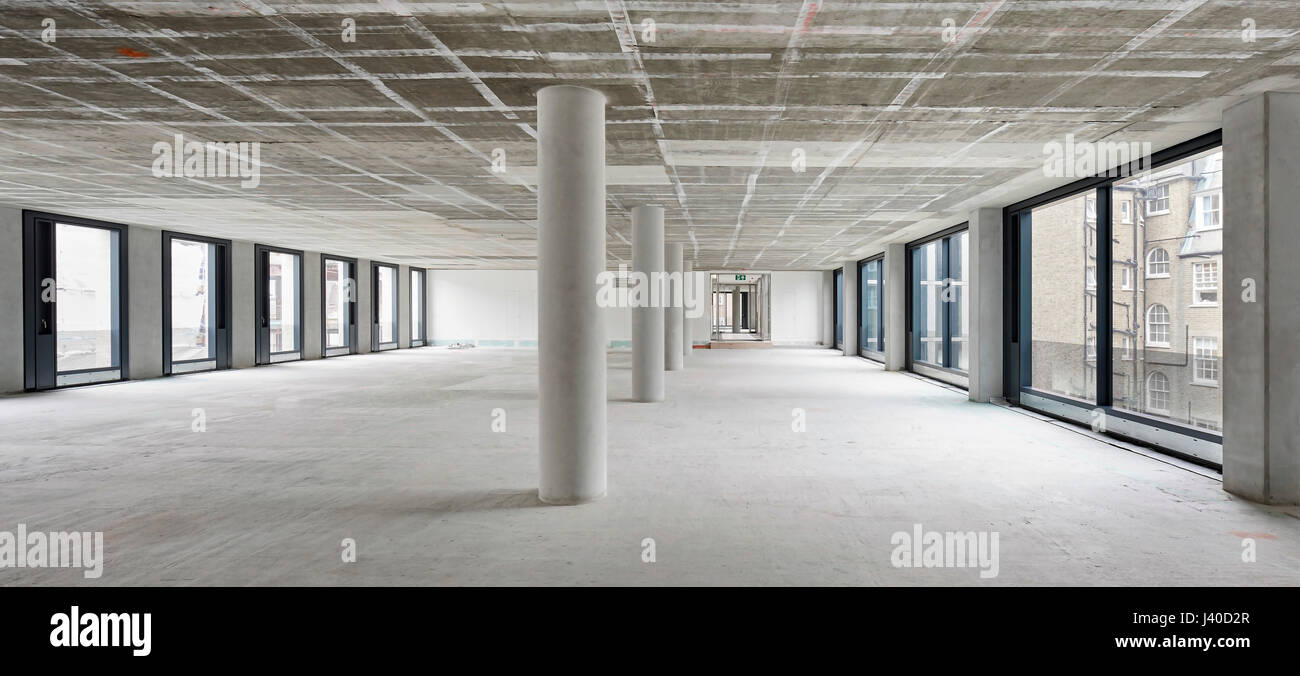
point(570, 258)
point(648, 320)
point(1261, 319)
point(895, 307)
point(312, 306)
point(11, 298)
point(144, 310)
point(828, 308)
point(243, 324)
point(984, 296)
point(365, 321)
point(688, 289)
point(674, 313)
point(735, 310)
point(850, 293)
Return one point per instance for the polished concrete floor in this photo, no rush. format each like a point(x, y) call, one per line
point(399, 452)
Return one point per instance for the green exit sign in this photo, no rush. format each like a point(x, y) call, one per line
point(740, 278)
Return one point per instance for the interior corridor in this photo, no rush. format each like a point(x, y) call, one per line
point(398, 451)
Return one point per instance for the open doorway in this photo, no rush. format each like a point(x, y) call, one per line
point(741, 309)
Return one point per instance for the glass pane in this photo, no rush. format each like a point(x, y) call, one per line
point(958, 308)
point(1063, 308)
point(839, 307)
point(193, 301)
point(338, 287)
point(86, 299)
point(927, 315)
point(870, 278)
point(417, 305)
point(387, 305)
point(1168, 321)
point(283, 294)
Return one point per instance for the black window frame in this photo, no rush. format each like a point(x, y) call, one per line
point(837, 294)
point(264, 356)
point(375, 345)
point(352, 305)
point(40, 361)
point(423, 339)
point(944, 237)
point(224, 302)
point(878, 355)
point(1017, 250)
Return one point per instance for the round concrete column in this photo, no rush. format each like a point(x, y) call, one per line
point(735, 310)
point(648, 319)
point(688, 289)
point(674, 313)
point(570, 257)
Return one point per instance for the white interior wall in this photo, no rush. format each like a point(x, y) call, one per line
point(498, 308)
point(796, 307)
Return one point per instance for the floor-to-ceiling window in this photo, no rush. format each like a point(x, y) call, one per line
point(838, 311)
point(938, 309)
point(418, 308)
point(339, 305)
point(871, 306)
point(279, 298)
point(1135, 254)
point(384, 306)
point(74, 284)
point(196, 303)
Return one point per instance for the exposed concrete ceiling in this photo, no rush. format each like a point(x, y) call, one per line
point(906, 114)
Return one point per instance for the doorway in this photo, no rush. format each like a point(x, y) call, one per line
point(383, 303)
point(741, 307)
point(339, 310)
point(196, 303)
point(74, 285)
point(279, 305)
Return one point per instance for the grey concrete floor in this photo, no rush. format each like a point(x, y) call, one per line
point(397, 450)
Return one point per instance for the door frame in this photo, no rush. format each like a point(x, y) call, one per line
point(224, 304)
point(38, 350)
point(375, 345)
point(261, 272)
point(352, 304)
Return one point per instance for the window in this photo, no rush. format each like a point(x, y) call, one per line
point(74, 289)
point(1205, 284)
point(1126, 278)
point(1158, 326)
point(1205, 423)
point(1125, 211)
point(939, 309)
point(838, 308)
point(1090, 210)
point(339, 298)
point(1157, 263)
point(1158, 393)
point(1158, 199)
point(1210, 211)
point(279, 299)
point(871, 306)
point(1126, 348)
point(417, 307)
point(1063, 298)
point(196, 308)
point(383, 334)
point(1205, 361)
